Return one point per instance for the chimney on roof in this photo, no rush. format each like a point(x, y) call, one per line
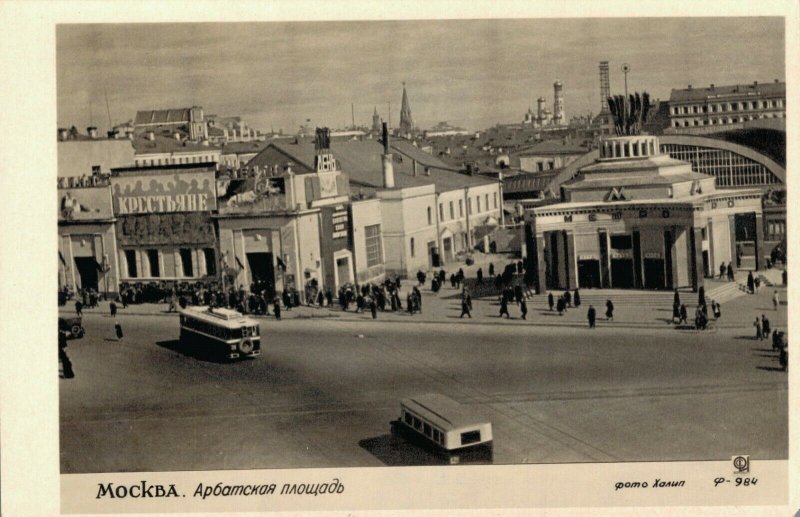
point(177, 136)
point(151, 136)
point(690, 87)
point(712, 86)
point(386, 160)
point(755, 83)
point(776, 81)
point(62, 134)
point(92, 132)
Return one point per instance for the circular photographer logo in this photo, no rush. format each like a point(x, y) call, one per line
point(741, 463)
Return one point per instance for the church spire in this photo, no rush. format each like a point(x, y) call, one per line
point(406, 121)
point(376, 121)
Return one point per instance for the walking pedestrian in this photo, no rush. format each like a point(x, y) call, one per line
point(701, 296)
point(676, 300)
point(329, 296)
point(568, 298)
point(717, 310)
point(118, 330)
point(373, 308)
point(765, 330)
point(523, 308)
point(504, 307)
point(320, 299)
point(591, 315)
point(560, 306)
point(79, 308)
point(609, 310)
point(684, 315)
point(676, 312)
point(410, 303)
point(491, 270)
point(759, 329)
point(757, 283)
point(751, 284)
point(722, 270)
point(66, 364)
point(550, 300)
point(465, 308)
point(113, 308)
point(783, 277)
point(577, 298)
point(276, 308)
point(731, 278)
point(776, 300)
point(480, 276)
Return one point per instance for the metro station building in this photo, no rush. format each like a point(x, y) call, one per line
point(637, 218)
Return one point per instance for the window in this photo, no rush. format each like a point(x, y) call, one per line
point(470, 437)
point(452, 213)
point(460, 208)
point(130, 258)
point(495, 200)
point(441, 212)
point(409, 418)
point(372, 238)
point(186, 262)
point(417, 424)
point(486, 199)
point(211, 261)
point(95, 170)
point(427, 429)
point(430, 216)
point(152, 259)
point(412, 247)
point(477, 204)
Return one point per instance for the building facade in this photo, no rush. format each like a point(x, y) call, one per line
point(637, 218)
point(715, 108)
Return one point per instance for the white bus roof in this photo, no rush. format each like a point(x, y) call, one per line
point(219, 316)
point(442, 411)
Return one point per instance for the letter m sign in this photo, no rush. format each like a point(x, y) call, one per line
point(616, 194)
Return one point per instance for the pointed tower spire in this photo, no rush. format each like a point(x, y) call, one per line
point(376, 121)
point(406, 121)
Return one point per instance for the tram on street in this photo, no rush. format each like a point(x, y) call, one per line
point(442, 425)
point(227, 331)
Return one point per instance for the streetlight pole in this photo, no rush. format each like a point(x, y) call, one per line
point(625, 69)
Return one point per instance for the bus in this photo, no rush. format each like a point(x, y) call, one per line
point(441, 424)
point(224, 330)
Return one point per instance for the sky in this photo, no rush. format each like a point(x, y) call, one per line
point(471, 73)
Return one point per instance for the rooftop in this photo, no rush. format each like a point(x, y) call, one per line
point(168, 116)
point(710, 92)
point(165, 144)
point(769, 142)
point(553, 147)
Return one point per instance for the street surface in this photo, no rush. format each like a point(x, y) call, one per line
point(325, 389)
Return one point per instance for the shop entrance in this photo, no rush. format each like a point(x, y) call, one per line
point(654, 273)
point(589, 274)
point(262, 272)
point(343, 271)
point(87, 270)
point(447, 244)
point(622, 273)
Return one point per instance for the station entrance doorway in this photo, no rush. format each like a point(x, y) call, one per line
point(262, 272)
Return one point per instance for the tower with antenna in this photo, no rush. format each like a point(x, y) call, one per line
point(605, 87)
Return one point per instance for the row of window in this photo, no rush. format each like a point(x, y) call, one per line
point(776, 230)
point(727, 106)
point(372, 237)
point(729, 169)
point(424, 427)
point(175, 160)
point(153, 258)
point(722, 121)
point(461, 208)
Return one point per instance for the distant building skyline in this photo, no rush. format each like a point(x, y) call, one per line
point(474, 73)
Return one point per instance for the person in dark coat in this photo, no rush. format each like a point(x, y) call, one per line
point(684, 315)
point(561, 305)
point(576, 299)
point(320, 299)
point(550, 300)
point(491, 269)
point(751, 284)
point(701, 296)
point(523, 308)
point(518, 293)
point(118, 330)
point(410, 303)
point(716, 309)
point(765, 326)
point(480, 276)
point(79, 308)
point(329, 296)
point(113, 308)
point(730, 272)
point(373, 308)
point(468, 298)
point(784, 277)
point(66, 364)
point(568, 298)
point(676, 300)
point(722, 270)
point(465, 308)
point(591, 315)
point(287, 301)
point(504, 307)
point(418, 299)
point(276, 308)
point(360, 303)
point(609, 310)
point(676, 312)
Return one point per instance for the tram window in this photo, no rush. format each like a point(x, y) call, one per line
point(470, 437)
point(417, 424)
point(621, 242)
point(408, 418)
point(427, 430)
point(436, 435)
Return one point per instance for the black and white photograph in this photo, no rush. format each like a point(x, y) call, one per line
point(450, 245)
point(491, 241)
